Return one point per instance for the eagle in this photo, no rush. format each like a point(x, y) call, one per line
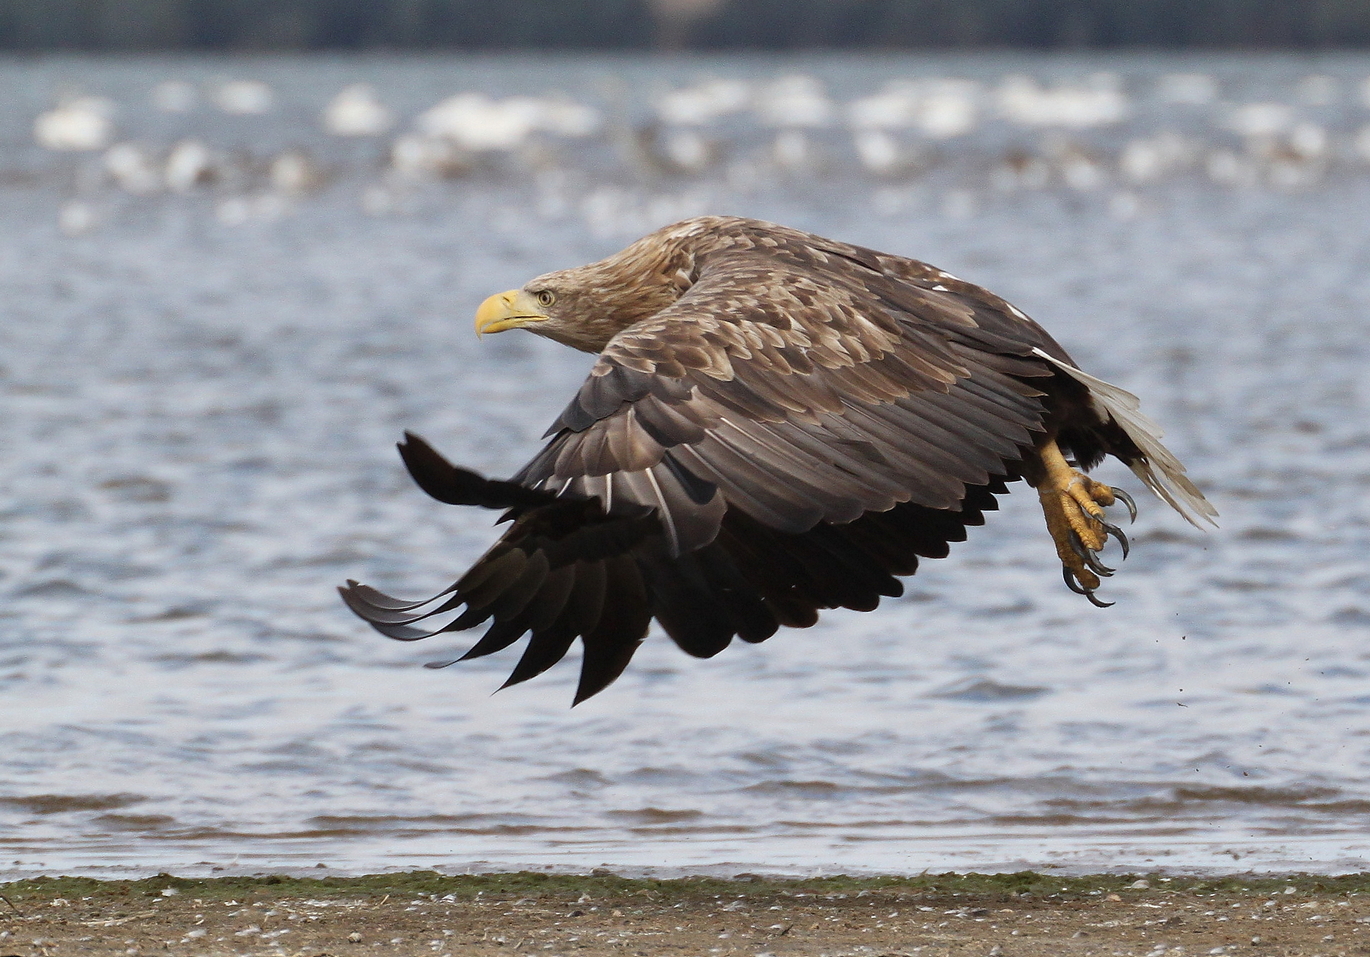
point(776, 424)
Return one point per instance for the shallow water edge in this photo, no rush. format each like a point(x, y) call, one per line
point(601, 883)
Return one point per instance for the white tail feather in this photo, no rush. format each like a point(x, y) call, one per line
point(1167, 479)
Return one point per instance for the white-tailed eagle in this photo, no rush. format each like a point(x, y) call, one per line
point(777, 424)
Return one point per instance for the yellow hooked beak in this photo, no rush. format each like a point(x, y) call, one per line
point(508, 310)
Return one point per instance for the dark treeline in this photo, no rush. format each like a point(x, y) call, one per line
point(697, 24)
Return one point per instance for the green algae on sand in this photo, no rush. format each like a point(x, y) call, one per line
point(602, 884)
point(1025, 914)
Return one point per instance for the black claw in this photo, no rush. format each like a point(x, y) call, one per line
point(1079, 589)
point(1127, 500)
point(1117, 533)
point(1098, 567)
point(1071, 583)
point(1078, 547)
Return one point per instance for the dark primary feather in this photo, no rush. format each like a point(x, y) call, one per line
point(457, 486)
point(791, 434)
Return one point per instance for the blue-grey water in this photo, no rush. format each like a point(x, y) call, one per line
point(203, 382)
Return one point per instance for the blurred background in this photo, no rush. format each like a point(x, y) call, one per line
point(241, 245)
point(679, 24)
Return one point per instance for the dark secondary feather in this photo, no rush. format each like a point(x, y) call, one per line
point(795, 431)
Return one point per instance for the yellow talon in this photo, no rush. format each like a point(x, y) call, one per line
point(1074, 504)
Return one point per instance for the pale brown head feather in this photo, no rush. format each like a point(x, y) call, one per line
point(595, 302)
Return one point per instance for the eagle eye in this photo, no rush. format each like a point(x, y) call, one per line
point(545, 297)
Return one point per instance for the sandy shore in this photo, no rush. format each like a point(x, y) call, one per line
point(1018, 915)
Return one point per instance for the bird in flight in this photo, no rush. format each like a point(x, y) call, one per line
point(777, 424)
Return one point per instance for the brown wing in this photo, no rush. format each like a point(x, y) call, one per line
point(795, 431)
point(797, 397)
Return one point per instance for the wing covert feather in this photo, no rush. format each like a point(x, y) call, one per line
point(852, 402)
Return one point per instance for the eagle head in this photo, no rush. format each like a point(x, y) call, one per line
point(587, 306)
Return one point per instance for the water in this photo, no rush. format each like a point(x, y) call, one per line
point(202, 393)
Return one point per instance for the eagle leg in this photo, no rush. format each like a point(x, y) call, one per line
point(1074, 507)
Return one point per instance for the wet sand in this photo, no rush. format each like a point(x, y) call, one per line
point(1015, 915)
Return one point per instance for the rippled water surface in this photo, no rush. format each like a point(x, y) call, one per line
point(202, 391)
